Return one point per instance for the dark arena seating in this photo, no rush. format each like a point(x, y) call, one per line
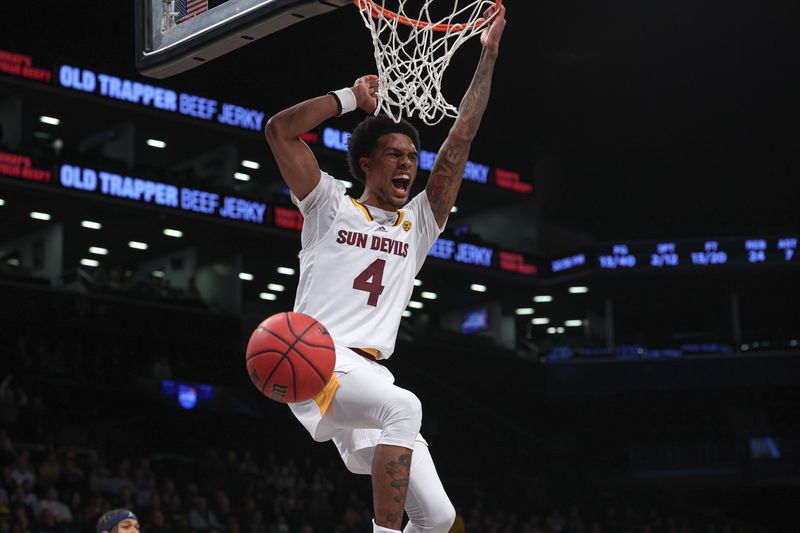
point(605, 338)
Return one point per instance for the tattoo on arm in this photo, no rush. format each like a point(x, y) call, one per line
point(445, 178)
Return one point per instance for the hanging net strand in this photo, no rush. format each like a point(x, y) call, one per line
point(412, 52)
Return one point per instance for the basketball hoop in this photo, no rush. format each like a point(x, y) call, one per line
point(412, 52)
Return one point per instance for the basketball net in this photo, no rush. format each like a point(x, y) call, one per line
point(412, 51)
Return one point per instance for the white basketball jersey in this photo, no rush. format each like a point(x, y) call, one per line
point(358, 263)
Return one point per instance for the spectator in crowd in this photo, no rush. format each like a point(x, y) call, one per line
point(51, 505)
point(7, 453)
point(201, 518)
point(158, 523)
point(49, 470)
point(22, 470)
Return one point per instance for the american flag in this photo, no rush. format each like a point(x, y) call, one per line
point(190, 8)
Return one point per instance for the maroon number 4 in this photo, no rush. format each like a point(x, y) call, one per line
point(370, 281)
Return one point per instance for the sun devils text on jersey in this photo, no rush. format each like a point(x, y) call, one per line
point(358, 263)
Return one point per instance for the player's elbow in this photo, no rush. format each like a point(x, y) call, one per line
point(461, 134)
point(272, 131)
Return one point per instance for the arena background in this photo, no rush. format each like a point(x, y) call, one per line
point(637, 164)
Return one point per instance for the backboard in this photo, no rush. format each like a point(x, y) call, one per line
point(173, 36)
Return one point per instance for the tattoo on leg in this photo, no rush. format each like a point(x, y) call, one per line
point(398, 471)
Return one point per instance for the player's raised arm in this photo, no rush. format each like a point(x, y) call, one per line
point(445, 178)
point(296, 162)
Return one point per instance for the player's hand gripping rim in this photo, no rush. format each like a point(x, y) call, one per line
point(490, 36)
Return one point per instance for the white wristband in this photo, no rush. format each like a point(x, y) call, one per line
point(346, 98)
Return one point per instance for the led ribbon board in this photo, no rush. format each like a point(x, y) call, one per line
point(151, 96)
point(466, 253)
point(161, 194)
point(336, 139)
point(708, 254)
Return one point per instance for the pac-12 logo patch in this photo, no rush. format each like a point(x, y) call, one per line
point(406, 225)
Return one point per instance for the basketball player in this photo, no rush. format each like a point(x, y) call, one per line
point(118, 521)
point(358, 262)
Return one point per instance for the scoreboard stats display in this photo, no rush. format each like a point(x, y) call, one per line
point(707, 254)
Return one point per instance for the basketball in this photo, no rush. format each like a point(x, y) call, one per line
point(290, 357)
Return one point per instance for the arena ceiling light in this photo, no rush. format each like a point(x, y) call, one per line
point(245, 276)
point(136, 245)
point(89, 224)
point(415, 305)
point(90, 262)
point(169, 232)
point(524, 311)
point(286, 271)
point(267, 296)
point(543, 298)
point(276, 287)
point(53, 121)
point(428, 295)
point(551, 330)
point(155, 143)
point(241, 176)
point(573, 323)
point(406, 314)
point(38, 215)
point(97, 250)
point(417, 282)
point(541, 321)
point(13, 261)
point(454, 209)
point(158, 273)
point(477, 287)
point(578, 290)
point(2, 202)
point(246, 163)
point(347, 184)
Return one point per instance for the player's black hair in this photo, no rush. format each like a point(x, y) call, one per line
point(365, 137)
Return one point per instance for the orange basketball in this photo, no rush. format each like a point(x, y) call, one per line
point(290, 357)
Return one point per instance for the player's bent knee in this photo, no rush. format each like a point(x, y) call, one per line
point(443, 518)
point(409, 409)
point(403, 419)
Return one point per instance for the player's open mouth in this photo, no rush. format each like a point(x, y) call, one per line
point(401, 183)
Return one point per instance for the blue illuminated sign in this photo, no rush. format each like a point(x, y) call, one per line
point(476, 172)
point(462, 252)
point(711, 255)
point(442, 249)
point(472, 254)
point(426, 160)
point(147, 95)
point(756, 250)
point(665, 256)
point(620, 258)
point(163, 194)
point(477, 320)
point(567, 263)
point(335, 139)
point(788, 247)
point(187, 396)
